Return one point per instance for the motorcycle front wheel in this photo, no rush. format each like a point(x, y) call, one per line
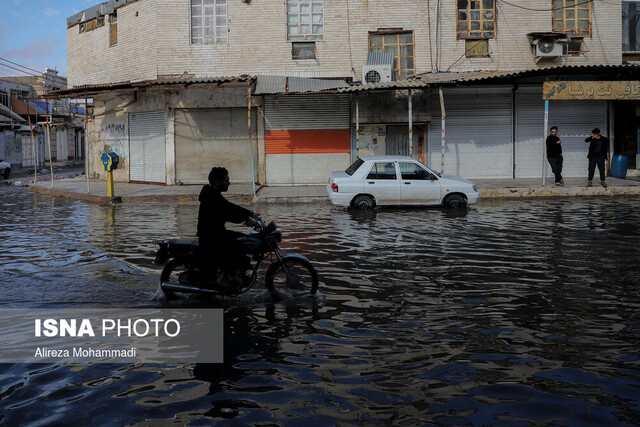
point(295, 278)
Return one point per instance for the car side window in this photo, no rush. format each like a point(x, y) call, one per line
point(412, 171)
point(382, 171)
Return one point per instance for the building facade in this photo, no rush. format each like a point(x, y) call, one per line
point(282, 92)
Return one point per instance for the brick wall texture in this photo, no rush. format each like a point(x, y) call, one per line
point(154, 40)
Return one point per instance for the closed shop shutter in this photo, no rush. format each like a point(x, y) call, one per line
point(479, 141)
point(147, 147)
point(574, 119)
point(209, 137)
point(306, 137)
point(529, 132)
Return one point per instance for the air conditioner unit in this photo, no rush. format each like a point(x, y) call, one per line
point(548, 47)
point(376, 73)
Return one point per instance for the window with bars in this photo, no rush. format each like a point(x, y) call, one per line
point(401, 45)
point(631, 27)
point(305, 20)
point(209, 22)
point(572, 17)
point(476, 19)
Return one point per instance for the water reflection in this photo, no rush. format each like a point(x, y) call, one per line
point(509, 313)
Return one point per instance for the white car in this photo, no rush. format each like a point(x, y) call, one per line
point(5, 169)
point(397, 180)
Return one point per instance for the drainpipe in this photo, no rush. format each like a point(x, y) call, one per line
point(253, 177)
point(544, 143)
point(437, 61)
point(444, 115)
point(410, 123)
point(86, 142)
point(357, 126)
point(49, 144)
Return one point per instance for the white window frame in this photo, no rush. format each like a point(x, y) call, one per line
point(301, 14)
point(204, 24)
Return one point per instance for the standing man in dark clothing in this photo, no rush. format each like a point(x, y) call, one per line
point(554, 155)
point(598, 149)
point(213, 236)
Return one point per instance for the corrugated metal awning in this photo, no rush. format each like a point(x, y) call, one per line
point(277, 85)
point(168, 82)
point(380, 58)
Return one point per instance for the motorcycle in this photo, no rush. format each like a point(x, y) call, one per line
point(190, 270)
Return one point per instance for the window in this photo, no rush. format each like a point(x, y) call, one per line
point(305, 19)
point(209, 22)
point(303, 50)
point(572, 17)
point(354, 167)
point(630, 27)
point(411, 171)
point(4, 99)
point(398, 43)
point(476, 19)
point(113, 29)
point(382, 171)
point(476, 48)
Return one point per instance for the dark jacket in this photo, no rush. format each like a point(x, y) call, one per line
point(214, 212)
point(598, 147)
point(553, 148)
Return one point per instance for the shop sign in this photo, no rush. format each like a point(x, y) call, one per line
point(565, 90)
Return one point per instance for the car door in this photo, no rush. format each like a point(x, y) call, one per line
point(418, 186)
point(382, 182)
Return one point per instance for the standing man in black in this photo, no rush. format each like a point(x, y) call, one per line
point(222, 244)
point(598, 150)
point(554, 155)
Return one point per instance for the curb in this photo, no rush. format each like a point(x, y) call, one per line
point(103, 200)
point(518, 193)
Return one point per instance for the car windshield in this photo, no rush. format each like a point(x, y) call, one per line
point(354, 167)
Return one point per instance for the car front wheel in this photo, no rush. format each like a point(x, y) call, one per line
point(6, 173)
point(363, 202)
point(454, 201)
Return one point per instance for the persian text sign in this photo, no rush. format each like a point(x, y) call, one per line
point(565, 90)
point(111, 335)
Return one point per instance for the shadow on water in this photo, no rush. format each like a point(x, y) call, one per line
point(510, 313)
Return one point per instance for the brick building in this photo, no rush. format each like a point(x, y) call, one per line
point(278, 90)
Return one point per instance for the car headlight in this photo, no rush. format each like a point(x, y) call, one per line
point(475, 188)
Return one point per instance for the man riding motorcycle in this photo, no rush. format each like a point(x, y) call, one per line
point(222, 244)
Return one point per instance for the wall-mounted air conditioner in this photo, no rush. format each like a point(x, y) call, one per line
point(548, 45)
point(376, 73)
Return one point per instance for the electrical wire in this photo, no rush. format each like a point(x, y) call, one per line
point(544, 10)
point(19, 70)
point(10, 62)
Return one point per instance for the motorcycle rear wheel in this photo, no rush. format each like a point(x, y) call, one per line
point(302, 279)
point(176, 271)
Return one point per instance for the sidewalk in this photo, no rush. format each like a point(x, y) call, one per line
point(76, 187)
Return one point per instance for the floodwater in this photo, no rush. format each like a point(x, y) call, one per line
point(511, 313)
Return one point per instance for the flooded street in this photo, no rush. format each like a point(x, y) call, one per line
point(511, 313)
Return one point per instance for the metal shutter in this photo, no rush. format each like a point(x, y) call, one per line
point(575, 120)
point(306, 137)
point(210, 137)
point(479, 141)
point(147, 147)
point(530, 132)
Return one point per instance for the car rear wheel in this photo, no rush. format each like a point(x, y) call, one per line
point(363, 202)
point(6, 173)
point(454, 201)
